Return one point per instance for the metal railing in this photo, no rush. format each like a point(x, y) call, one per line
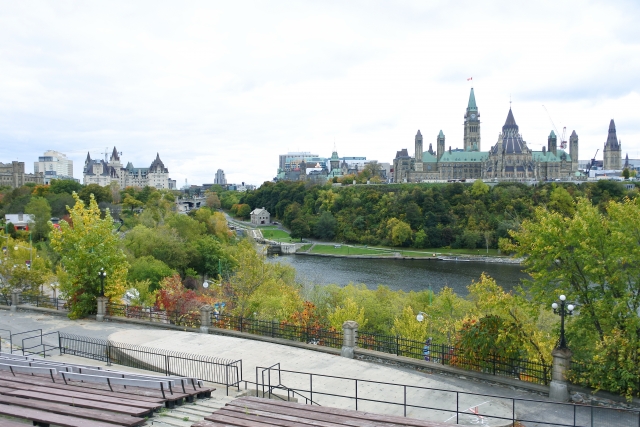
point(282, 330)
point(436, 404)
point(28, 351)
point(41, 301)
point(212, 369)
point(522, 369)
point(189, 319)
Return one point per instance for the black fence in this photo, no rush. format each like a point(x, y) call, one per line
point(190, 319)
point(46, 302)
point(522, 369)
point(275, 329)
point(445, 406)
point(206, 368)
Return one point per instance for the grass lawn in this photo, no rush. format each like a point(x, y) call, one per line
point(349, 250)
point(305, 248)
point(275, 234)
point(410, 252)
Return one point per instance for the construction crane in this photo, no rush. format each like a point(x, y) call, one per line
point(592, 162)
point(563, 141)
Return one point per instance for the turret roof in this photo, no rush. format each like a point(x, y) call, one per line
point(114, 154)
point(552, 134)
point(510, 123)
point(612, 138)
point(418, 134)
point(441, 135)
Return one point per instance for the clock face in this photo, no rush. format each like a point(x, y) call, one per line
point(473, 116)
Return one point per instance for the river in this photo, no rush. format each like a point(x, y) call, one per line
point(406, 275)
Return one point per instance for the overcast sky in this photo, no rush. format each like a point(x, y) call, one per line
point(233, 84)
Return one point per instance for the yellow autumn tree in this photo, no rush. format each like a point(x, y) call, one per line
point(85, 245)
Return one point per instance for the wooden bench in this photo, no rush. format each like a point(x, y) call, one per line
point(8, 423)
point(251, 411)
point(175, 380)
point(62, 409)
point(150, 395)
point(154, 384)
point(44, 419)
point(81, 403)
point(29, 370)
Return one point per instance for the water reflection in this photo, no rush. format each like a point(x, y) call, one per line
point(407, 275)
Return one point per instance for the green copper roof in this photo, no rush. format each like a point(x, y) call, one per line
point(552, 134)
point(441, 135)
point(464, 156)
point(427, 157)
point(472, 102)
point(334, 156)
point(548, 156)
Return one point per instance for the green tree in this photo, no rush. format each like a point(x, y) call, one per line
point(626, 174)
point(147, 268)
point(213, 201)
point(131, 202)
point(68, 186)
point(479, 188)
point(14, 273)
point(594, 259)
point(399, 232)
point(299, 228)
point(349, 310)
point(85, 248)
point(421, 239)
point(243, 211)
point(100, 194)
point(326, 226)
point(41, 211)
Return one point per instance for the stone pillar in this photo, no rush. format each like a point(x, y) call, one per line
point(350, 334)
point(15, 300)
point(205, 318)
point(559, 390)
point(102, 308)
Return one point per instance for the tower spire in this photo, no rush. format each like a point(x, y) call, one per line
point(472, 102)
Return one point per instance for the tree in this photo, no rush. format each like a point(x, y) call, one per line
point(68, 186)
point(399, 232)
point(594, 259)
point(243, 211)
point(131, 202)
point(479, 188)
point(85, 248)
point(349, 310)
point(626, 174)
point(299, 228)
point(421, 240)
point(41, 211)
point(14, 273)
point(147, 268)
point(326, 226)
point(114, 188)
point(213, 201)
point(101, 194)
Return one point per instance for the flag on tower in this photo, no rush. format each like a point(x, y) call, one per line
point(470, 78)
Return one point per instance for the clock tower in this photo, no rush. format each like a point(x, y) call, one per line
point(472, 125)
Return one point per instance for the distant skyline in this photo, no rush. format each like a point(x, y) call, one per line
point(231, 85)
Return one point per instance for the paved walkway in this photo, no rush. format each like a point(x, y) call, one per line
point(258, 354)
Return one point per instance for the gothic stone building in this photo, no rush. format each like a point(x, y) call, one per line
point(510, 159)
point(103, 173)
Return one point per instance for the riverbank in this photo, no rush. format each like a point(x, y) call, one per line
point(399, 256)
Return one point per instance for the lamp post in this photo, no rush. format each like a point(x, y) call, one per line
point(563, 309)
point(558, 388)
point(102, 274)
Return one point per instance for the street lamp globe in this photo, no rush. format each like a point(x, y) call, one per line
point(570, 307)
point(562, 298)
point(205, 284)
point(554, 306)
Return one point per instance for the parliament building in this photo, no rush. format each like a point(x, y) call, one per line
point(509, 159)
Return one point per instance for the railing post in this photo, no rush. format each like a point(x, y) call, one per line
point(240, 323)
point(15, 300)
point(102, 308)
point(273, 327)
point(205, 318)
point(397, 345)
point(349, 342)
point(558, 389)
